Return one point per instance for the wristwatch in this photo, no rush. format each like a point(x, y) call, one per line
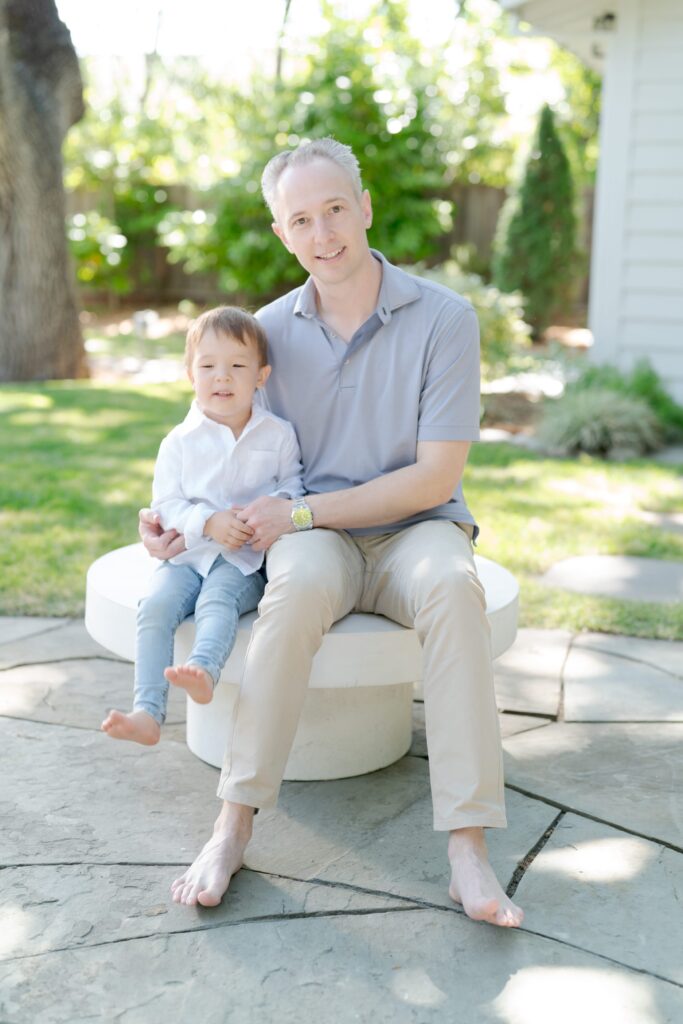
point(302, 517)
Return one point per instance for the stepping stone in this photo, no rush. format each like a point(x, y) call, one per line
point(601, 687)
point(624, 774)
point(391, 967)
point(620, 892)
point(527, 677)
point(672, 455)
point(620, 576)
point(671, 521)
point(22, 626)
point(67, 906)
point(67, 641)
point(75, 692)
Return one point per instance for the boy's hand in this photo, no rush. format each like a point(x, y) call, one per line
point(269, 518)
point(226, 529)
point(160, 543)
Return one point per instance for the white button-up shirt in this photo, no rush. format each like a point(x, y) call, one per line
point(202, 469)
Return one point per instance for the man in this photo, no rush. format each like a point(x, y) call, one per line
point(379, 373)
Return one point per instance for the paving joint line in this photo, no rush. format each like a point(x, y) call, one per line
point(593, 817)
point(59, 661)
point(414, 904)
point(629, 657)
point(563, 666)
point(70, 725)
point(525, 863)
point(41, 632)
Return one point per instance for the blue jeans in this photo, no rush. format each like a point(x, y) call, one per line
point(175, 592)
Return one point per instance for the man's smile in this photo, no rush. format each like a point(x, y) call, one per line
point(331, 255)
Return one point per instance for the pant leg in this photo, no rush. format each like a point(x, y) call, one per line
point(171, 598)
point(314, 578)
point(425, 576)
point(225, 595)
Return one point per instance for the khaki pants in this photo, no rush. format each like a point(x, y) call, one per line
point(423, 576)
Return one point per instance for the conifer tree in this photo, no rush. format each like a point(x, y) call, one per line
point(536, 247)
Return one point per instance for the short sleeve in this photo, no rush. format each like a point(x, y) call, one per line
point(449, 399)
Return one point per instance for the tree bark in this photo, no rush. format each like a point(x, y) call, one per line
point(41, 96)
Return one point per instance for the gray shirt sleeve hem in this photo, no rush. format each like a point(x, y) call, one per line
point(437, 433)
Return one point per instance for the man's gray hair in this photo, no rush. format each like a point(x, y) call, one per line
point(327, 148)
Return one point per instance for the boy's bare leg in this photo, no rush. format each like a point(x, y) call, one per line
point(138, 726)
point(473, 883)
point(206, 880)
point(195, 680)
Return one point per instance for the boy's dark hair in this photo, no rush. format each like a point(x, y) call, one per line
point(234, 322)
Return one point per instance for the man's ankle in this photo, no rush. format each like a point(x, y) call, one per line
point(237, 817)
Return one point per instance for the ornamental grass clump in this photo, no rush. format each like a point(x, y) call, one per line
point(601, 422)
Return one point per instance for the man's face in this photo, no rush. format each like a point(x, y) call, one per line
point(322, 221)
point(225, 373)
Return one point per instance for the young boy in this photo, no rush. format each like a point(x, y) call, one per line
point(223, 455)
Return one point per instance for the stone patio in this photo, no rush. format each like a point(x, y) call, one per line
point(342, 913)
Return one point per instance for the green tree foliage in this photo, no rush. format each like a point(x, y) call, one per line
point(141, 135)
point(536, 249)
point(363, 83)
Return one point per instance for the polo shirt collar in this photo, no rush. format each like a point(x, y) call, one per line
point(397, 289)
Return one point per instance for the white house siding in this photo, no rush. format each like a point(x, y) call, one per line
point(636, 306)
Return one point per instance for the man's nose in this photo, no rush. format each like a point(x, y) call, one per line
point(321, 229)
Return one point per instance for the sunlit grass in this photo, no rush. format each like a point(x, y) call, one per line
point(78, 460)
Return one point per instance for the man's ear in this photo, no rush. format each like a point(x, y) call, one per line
point(281, 235)
point(263, 375)
point(366, 207)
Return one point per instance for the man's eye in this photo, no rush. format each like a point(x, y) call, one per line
point(336, 209)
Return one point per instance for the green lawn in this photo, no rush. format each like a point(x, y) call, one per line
point(77, 464)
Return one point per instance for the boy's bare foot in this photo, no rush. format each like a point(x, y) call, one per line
point(474, 884)
point(206, 880)
point(137, 726)
point(194, 679)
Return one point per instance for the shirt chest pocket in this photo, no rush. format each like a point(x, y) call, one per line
point(259, 471)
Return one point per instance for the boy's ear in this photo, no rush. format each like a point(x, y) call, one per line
point(188, 371)
point(263, 375)
point(281, 235)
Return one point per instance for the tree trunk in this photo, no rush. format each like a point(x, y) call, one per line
point(41, 96)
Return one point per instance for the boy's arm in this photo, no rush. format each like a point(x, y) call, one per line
point(290, 480)
point(168, 500)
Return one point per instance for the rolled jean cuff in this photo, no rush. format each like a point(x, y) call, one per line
point(157, 714)
point(213, 670)
point(237, 794)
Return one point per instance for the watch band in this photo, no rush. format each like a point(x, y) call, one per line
point(302, 516)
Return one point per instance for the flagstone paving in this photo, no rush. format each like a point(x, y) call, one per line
point(342, 912)
point(625, 577)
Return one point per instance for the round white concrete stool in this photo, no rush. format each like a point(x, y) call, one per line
point(357, 715)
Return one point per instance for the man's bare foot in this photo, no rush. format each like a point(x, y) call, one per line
point(474, 884)
point(194, 679)
point(137, 726)
point(206, 880)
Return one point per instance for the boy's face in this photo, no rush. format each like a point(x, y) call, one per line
point(225, 374)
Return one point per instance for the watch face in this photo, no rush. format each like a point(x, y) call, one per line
point(302, 517)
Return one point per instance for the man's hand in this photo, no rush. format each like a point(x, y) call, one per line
point(268, 518)
point(227, 529)
point(160, 543)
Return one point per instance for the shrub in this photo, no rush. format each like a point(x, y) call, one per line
point(642, 383)
point(599, 421)
point(501, 323)
point(536, 248)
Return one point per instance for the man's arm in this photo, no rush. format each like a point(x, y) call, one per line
point(430, 481)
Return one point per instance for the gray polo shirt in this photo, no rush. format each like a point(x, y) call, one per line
point(410, 373)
